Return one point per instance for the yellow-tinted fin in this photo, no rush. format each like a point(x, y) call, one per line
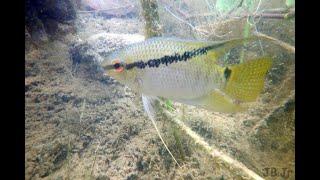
point(219, 102)
point(220, 48)
point(245, 81)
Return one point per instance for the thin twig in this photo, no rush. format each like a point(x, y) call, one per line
point(266, 14)
point(101, 10)
point(165, 145)
point(210, 5)
point(229, 161)
point(270, 16)
point(181, 13)
point(277, 10)
point(184, 21)
point(277, 41)
point(255, 12)
point(82, 110)
point(239, 5)
point(94, 161)
point(255, 25)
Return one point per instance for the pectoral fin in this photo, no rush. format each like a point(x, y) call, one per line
point(149, 106)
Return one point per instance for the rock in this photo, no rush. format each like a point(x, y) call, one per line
point(248, 123)
point(44, 172)
point(29, 170)
point(38, 32)
point(29, 45)
point(43, 16)
point(86, 141)
point(277, 131)
point(59, 10)
point(60, 155)
point(85, 61)
point(86, 56)
point(142, 165)
point(83, 53)
point(66, 97)
point(102, 177)
point(132, 177)
point(105, 43)
point(188, 177)
point(59, 178)
point(66, 28)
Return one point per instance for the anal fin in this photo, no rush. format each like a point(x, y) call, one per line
point(217, 101)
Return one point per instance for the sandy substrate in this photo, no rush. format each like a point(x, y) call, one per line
point(81, 125)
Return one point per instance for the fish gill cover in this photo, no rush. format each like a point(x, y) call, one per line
point(81, 124)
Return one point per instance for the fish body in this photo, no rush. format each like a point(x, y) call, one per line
point(187, 71)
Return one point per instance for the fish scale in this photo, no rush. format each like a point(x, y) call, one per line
point(176, 82)
point(183, 80)
point(186, 71)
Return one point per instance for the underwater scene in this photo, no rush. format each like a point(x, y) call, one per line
point(159, 89)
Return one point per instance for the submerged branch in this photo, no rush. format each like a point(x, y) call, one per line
point(267, 14)
point(285, 45)
point(271, 15)
point(278, 10)
point(102, 10)
point(151, 17)
point(231, 163)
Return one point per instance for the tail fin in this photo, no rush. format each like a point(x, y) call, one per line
point(246, 81)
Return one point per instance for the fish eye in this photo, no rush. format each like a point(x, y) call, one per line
point(118, 66)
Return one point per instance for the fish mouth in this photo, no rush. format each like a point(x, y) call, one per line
point(114, 66)
point(108, 67)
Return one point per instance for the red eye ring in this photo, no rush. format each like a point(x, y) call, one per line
point(117, 66)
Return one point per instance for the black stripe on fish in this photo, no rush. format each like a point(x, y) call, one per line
point(173, 58)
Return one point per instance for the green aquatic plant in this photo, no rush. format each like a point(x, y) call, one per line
point(290, 3)
point(169, 105)
point(227, 5)
point(177, 138)
point(249, 5)
point(174, 130)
